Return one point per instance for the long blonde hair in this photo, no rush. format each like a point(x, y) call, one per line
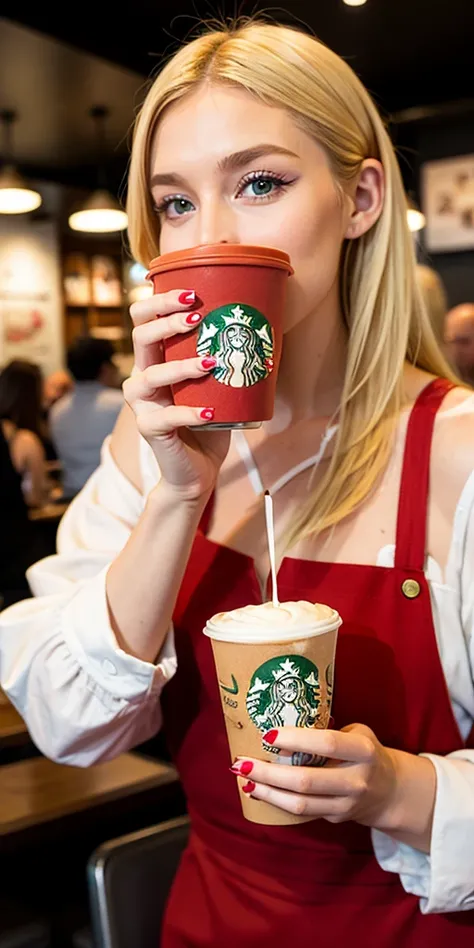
point(382, 304)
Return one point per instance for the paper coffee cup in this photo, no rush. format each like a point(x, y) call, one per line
point(240, 292)
point(275, 668)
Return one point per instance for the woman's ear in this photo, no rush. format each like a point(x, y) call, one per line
point(367, 199)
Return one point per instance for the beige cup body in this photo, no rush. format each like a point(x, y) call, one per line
point(257, 683)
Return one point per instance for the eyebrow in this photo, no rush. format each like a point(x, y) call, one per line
point(239, 159)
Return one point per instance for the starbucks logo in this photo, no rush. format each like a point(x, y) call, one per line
point(330, 679)
point(284, 692)
point(241, 340)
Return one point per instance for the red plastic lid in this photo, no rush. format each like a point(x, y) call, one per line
point(215, 254)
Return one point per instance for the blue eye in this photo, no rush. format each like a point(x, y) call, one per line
point(174, 207)
point(179, 206)
point(262, 186)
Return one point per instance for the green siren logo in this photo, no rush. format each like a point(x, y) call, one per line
point(241, 340)
point(284, 691)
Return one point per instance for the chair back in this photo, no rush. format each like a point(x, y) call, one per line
point(129, 880)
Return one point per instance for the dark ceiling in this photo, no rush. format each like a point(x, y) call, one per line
point(408, 52)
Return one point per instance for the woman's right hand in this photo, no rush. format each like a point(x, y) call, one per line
point(189, 461)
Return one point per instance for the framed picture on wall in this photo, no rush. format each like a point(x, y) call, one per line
point(106, 282)
point(77, 280)
point(448, 203)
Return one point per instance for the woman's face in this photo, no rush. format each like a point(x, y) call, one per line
point(287, 690)
point(238, 337)
point(227, 168)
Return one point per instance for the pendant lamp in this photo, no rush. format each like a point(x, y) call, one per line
point(16, 196)
point(101, 212)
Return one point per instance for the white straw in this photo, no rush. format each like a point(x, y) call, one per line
point(271, 544)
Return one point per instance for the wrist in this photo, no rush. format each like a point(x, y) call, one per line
point(409, 806)
point(173, 499)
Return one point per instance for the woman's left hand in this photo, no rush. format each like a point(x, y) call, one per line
point(358, 782)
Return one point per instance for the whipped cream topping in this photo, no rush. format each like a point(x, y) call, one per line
point(269, 623)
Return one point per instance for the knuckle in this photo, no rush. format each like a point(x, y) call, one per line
point(359, 787)
point(331, 745)
point(344, 807)
point(304, 783)
point(127, 391)
point(137, 310)
point(148, 375)
point(368, 749)
point(136, 335)
point(341, 811)
point(300, 806)
point(145, 425)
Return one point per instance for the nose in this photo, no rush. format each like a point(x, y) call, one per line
point(217, 224)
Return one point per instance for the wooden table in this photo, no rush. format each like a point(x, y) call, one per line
point(38, 791)
point(13, 730)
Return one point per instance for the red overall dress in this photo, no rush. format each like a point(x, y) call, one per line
point(241, 885)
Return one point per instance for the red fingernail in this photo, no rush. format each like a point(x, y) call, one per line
point(270, 737)
point(244, 767)
point(188, 297)
point(209, 363)
point(207, 414)
point(193, 318)
point(249, 787)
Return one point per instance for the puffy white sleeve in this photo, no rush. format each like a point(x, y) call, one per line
point(84, 700)
point(444, 880)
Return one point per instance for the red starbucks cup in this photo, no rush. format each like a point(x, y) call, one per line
point(240, 291)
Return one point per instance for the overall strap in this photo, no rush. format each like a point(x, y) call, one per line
point(414, 486)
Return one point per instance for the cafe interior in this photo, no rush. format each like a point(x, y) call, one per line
point(74, 841)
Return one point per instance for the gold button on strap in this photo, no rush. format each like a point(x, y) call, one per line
point(411, 588)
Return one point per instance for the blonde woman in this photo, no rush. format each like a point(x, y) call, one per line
point(262, 135)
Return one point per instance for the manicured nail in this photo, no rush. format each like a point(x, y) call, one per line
point(270, 737)
point(193, 319)
point(249, 787)
point(188, 297)
point(207, 414)
point(209, 362)
point(244, 767)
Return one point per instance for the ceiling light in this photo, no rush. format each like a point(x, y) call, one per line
point(415, 218)
point(355, 3)
point(101, 213)
point(16, 196)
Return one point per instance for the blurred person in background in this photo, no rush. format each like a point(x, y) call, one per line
point(434, 296)
point(81, 420)
point(21, 386)
point(18, 539)
point(459, 340)
point(55, 386)
point(23, 478)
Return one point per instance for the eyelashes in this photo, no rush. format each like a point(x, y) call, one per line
point(280, 181)
point(270, 183)
point(167, 202)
